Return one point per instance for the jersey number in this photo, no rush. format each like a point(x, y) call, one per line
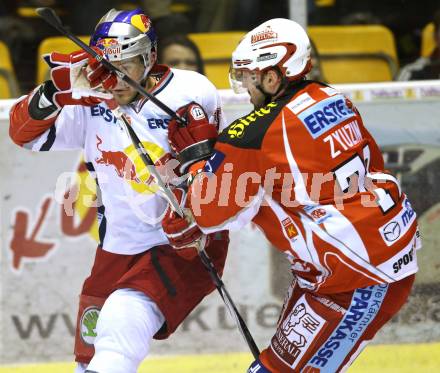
point(358, 166)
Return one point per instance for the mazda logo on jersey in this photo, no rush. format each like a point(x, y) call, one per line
point(392, 231)
point(400, 224)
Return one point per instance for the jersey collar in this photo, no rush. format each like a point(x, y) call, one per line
point(163, 75)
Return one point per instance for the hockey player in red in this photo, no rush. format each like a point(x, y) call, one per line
point(140, 287)
point(304, 169)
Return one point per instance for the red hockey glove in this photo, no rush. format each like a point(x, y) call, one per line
point(78, 79)
point(182, 232)
point(196, 140)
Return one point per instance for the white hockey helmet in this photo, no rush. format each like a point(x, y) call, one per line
point(278, 42)
point(123, 34)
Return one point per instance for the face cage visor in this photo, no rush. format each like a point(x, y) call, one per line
point(121, 49)
point(241, 79)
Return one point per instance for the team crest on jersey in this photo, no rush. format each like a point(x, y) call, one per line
point(297, 332)
point(88, 322)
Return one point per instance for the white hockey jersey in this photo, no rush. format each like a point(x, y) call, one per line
point(131, 208)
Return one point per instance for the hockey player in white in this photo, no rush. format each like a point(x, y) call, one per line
point(140, 288)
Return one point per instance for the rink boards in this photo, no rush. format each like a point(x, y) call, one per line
point(43, 265)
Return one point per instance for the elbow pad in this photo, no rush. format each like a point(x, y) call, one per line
point(41, 105)
point(33, 115)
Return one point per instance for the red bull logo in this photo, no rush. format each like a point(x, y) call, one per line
point(146, 21)
point(141, 22)
point(123, 166)
point(110, 47)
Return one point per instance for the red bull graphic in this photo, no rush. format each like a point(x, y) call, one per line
point(129, 165)
point(110, 47)
point(141, 22)
point(123, 166)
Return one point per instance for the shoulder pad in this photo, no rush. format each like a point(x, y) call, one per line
point(249, 130)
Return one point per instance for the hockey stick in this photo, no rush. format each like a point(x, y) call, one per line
point(241, 324)
point(51, 17)
point(146, 159)
point(204, 257)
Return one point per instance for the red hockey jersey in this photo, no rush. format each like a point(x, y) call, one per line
point(308, 173)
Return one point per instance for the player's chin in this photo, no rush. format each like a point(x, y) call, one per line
point(256, 99)
point(258, 103)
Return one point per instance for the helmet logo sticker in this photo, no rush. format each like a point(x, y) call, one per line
point(110, 47)
point(242, 62)
point(141, 22)
point(266, 34)
point(267, 56)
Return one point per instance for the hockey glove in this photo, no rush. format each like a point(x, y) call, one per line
point(77, 79)
point(182, 232)
point(196, 140)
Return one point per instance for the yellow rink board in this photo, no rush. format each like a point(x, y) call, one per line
point(382, 358)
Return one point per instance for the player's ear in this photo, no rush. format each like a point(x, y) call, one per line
point(271, 79)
